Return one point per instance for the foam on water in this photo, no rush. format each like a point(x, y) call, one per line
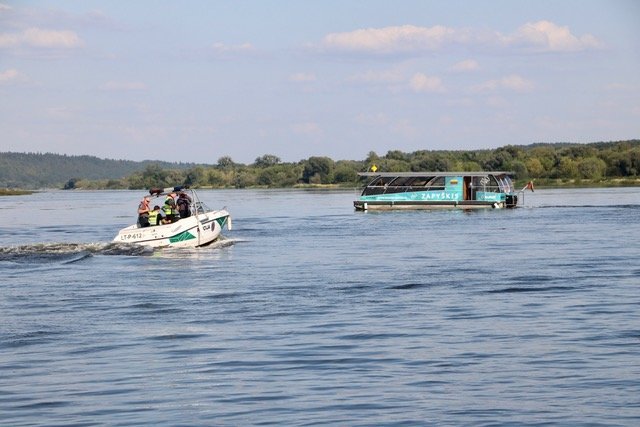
point(72, 252)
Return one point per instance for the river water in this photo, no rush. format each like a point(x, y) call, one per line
point(309, 313)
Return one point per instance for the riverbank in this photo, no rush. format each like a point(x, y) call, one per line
point(539, 183)
point(7, 192)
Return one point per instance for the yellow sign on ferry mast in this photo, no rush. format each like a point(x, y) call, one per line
point(374, 168)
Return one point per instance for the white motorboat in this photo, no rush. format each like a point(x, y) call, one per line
point(201, 228)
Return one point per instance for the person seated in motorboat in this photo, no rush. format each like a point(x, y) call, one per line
point(170, 212)
point(156, 216)
point(143, 212)
point(184, 205)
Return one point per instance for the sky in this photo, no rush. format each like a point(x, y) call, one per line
point(196, 80)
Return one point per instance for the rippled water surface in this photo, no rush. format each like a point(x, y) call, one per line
point(308, 313)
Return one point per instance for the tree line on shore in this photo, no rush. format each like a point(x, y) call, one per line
point(550, 164)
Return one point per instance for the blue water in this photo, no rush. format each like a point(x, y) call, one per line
point(309, 313)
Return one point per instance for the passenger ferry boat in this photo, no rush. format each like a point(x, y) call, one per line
point(431, 190)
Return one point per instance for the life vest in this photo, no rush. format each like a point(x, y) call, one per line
point(153, 217)
point(143, 206)
point(168, 209)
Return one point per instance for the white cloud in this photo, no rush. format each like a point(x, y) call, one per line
point(422, 83)
point(404, 38)
point(39, 38)
point(12, 76)
point(123, 86)
point(9, 75)
point(378, 77)
point(222, 48)
point(303, 77)
point(497, 102)
point(460, 102)
point(513, 82)
point(541, 36)
point(517, 83)
point(545, 36)
point(4, 7)
point(466, 65)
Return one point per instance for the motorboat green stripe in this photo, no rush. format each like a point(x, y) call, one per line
point(184, 236)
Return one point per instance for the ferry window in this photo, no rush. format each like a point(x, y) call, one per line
point(487, 182)
point(493, 184)
point(401, 181)
point(437, 183)
point(505, 183)
point(419, 181)
point(381, 181)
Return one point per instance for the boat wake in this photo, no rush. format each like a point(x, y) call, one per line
point(222, 242)
point(67, 253)
point(611, 206)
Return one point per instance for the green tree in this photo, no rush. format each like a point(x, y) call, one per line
point(535, 167)
point(499, 160)
point(546, 157)
point(226, 162)
point(431, 162)
point(519, 169)
point(372, 159)
point(567, 168)
point(195, 177)
point(71, 184)
point(345, 173)
point(243, 179)
point(318, 170)
point(396, 155)
point(266, 161)
point(591, 168)
point(219, 179)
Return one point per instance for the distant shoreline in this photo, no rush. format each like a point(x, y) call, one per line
point(539, 184)
point(7, 192)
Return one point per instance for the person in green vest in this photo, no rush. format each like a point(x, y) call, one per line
point(170, 211)
point(156, 216)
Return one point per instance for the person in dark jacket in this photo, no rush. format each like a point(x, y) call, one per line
point(184, 205)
